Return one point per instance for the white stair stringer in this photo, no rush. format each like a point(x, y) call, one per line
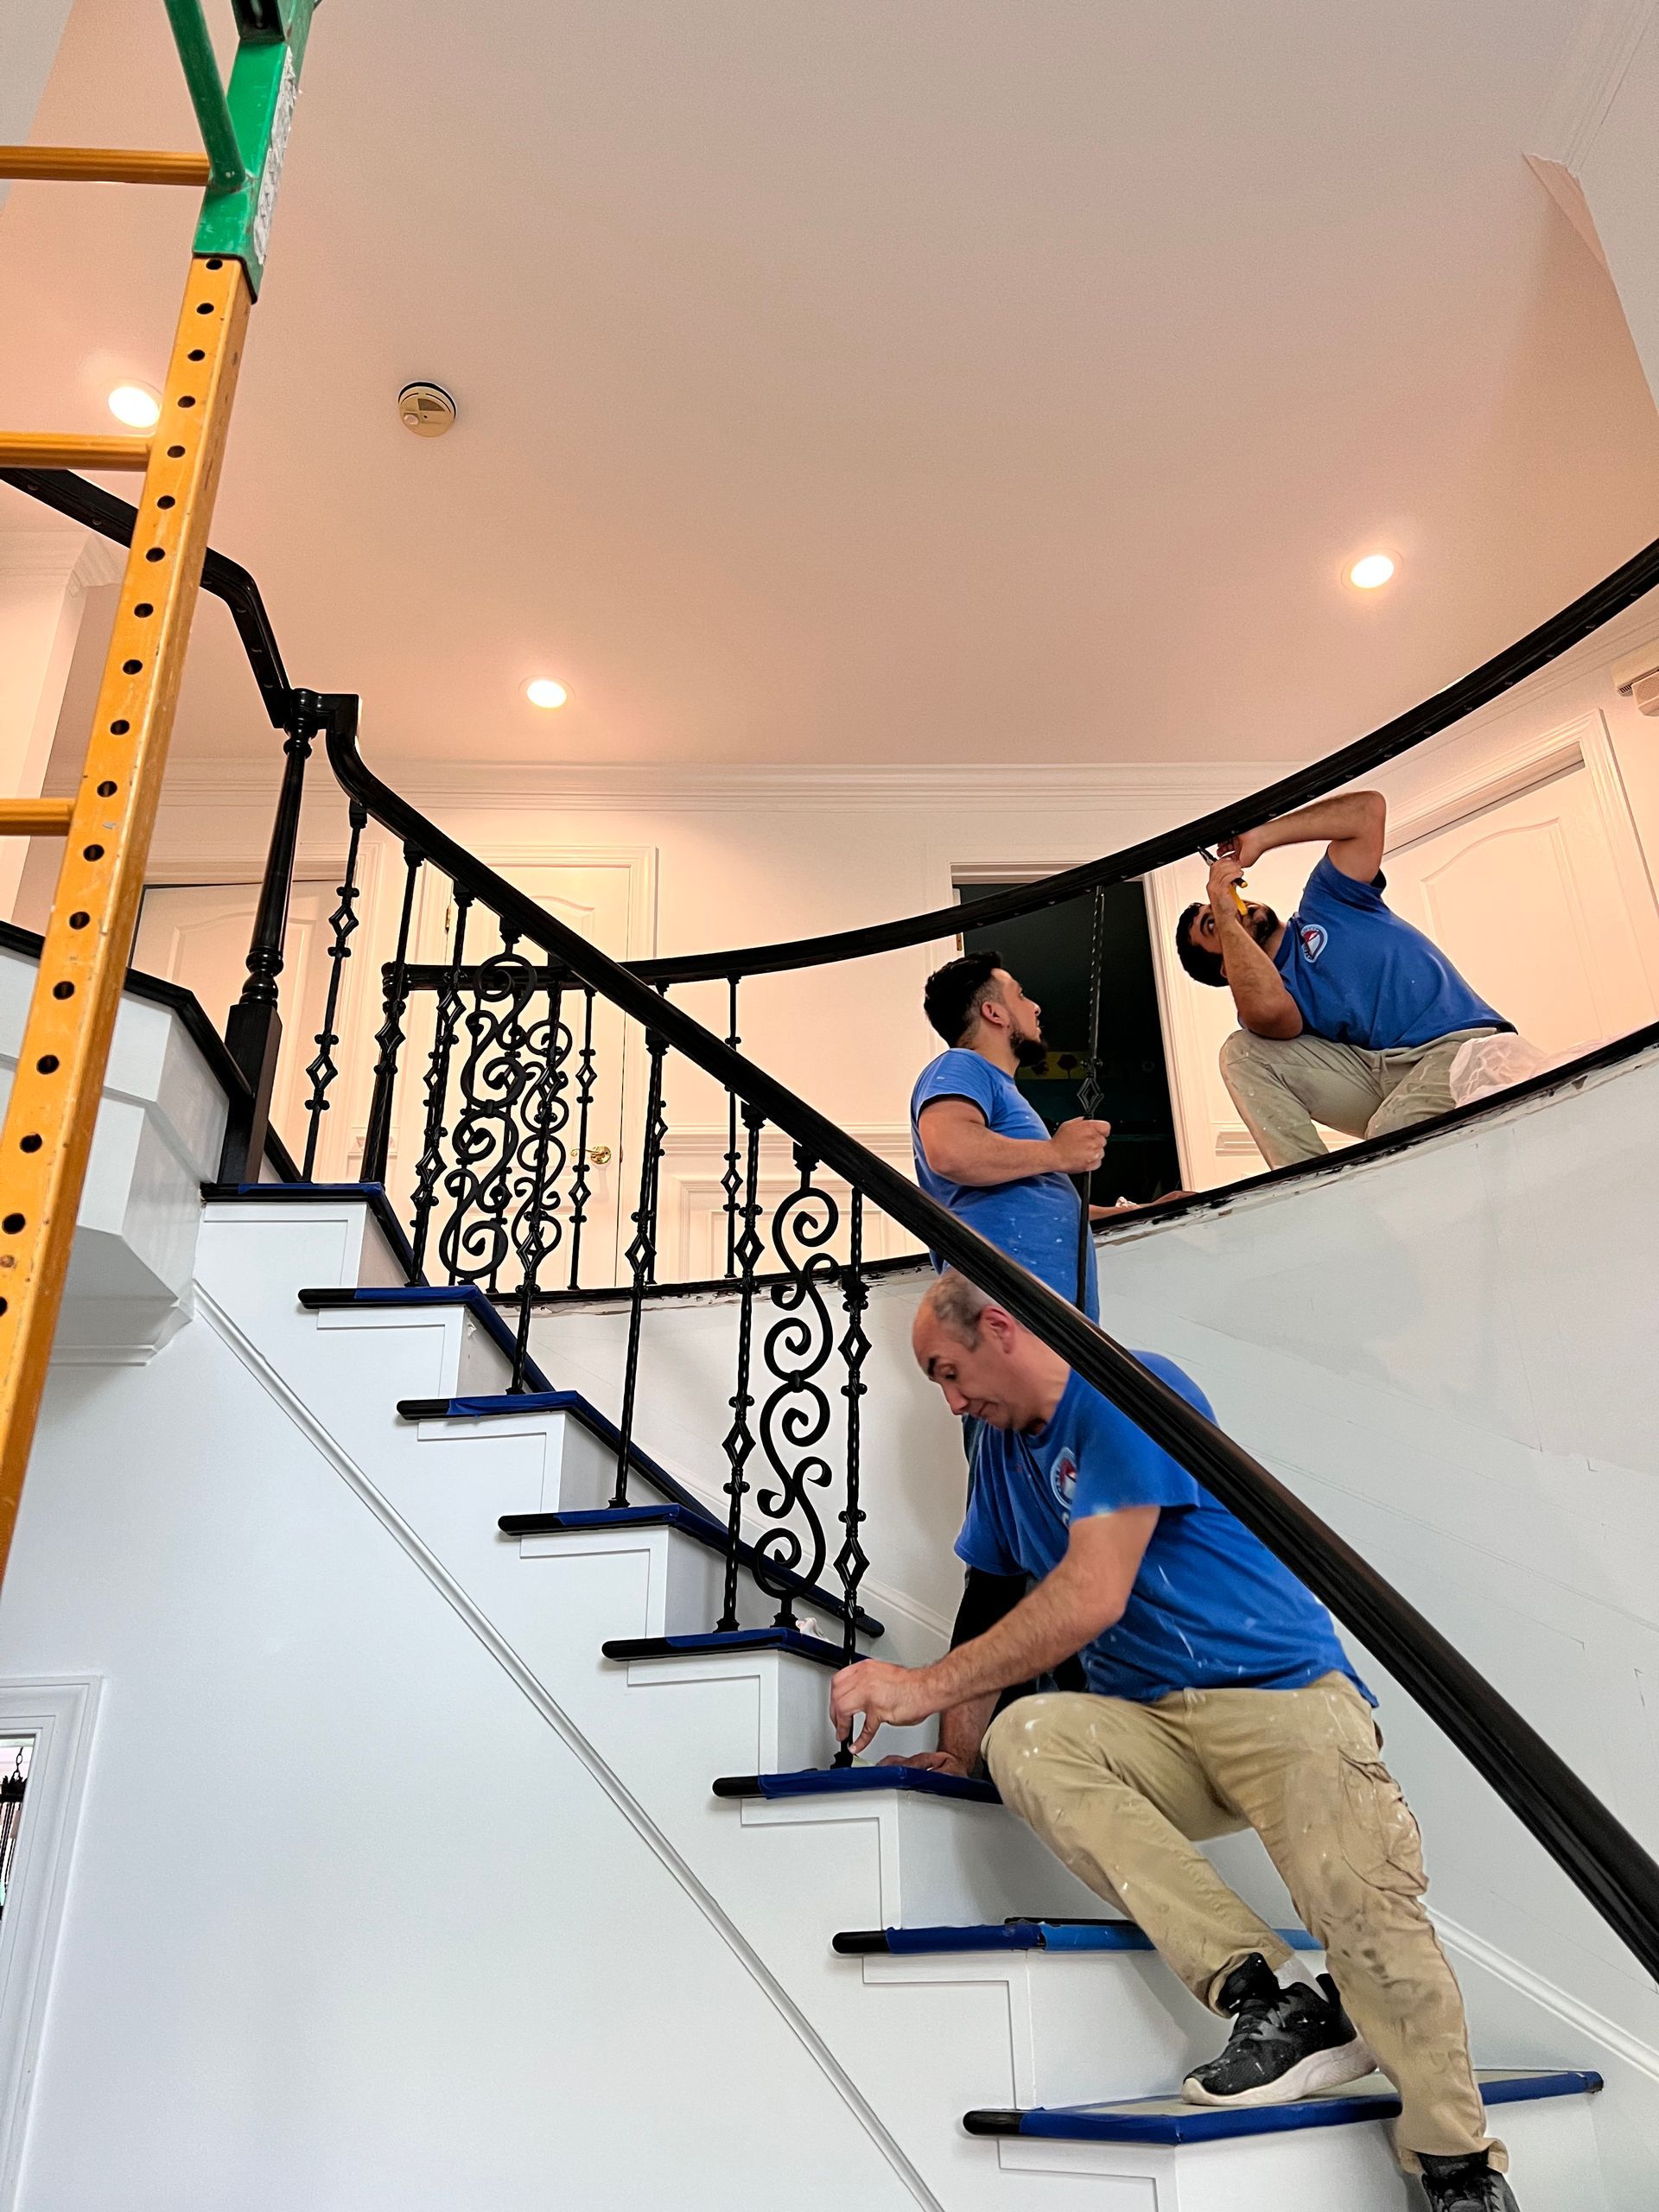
point(929, 2039)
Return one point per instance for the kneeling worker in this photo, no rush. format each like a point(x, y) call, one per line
point(1348, 1015)
point(1219, 1698)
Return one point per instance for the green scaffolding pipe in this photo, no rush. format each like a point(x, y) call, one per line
point(208, 93)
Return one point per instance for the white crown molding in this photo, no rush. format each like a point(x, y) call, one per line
point(758, 787)
point(1592, 67)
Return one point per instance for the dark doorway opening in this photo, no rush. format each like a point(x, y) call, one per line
point(1049, 953)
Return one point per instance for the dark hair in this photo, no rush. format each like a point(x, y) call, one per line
point(951, 1000)
point(1200, 963)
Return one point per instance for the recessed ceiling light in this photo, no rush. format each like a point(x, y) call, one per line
point(1371, 572)
point(135, 405)
point(545, 692)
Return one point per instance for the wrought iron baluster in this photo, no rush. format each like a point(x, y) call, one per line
point(476, 1240)
point(13, 1789)
point(1090, 1094)
point(377, 1139)
point(341, 924)
point(795, 1418)
point(586, 1078)
point(536, 1227)
point(641, 1254)
point(445, 1018)
point(731, 1181)
point(739, 1437)
point(851, 1559)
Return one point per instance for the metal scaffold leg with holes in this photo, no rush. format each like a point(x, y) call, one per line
point(53, 1110)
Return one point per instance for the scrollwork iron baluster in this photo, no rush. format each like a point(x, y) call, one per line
point(851, 1559)
point(536, 1227)
point(795, 1418)
point(739, 1437)
point(476, 1241)
point(445, 1019)
point(586, 1078)
point(641, 1254)
point(376, 1139)
point(342, 924)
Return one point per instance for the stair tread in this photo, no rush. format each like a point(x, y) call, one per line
point(693, 1522)
point(372, 1195)
point(1016, 1935)
point(841, 1781)
point(1172, 2120)
point(716, 1640)
point(498, 1405)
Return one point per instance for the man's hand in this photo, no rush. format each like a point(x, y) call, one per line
point(934, 1762)
point(1246, 849)
point(881, 1693)
point(1079, 1147)
point(1224, 874)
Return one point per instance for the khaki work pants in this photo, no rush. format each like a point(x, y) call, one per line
point(1124, 1792)
point(1282, 1085)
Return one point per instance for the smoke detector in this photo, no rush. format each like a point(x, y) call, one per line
point(426, 408)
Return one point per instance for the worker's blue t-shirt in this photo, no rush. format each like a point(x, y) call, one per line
point(1033, 1221)
point(1360, 975)
point(1212, 1608)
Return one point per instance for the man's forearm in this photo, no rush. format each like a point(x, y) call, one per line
point(1264, 1003)
point(1058, 1617)
point(1327, 822)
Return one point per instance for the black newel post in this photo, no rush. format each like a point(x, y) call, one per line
point(253, 1031)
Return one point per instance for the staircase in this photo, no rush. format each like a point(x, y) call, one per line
point(981, 2032)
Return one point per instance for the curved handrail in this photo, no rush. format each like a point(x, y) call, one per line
point(102, 511)
point(1605, 1862)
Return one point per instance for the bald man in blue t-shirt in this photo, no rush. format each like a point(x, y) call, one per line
point(1347, 1015)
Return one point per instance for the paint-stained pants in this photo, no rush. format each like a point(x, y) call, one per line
point(1282, 1085)
point(1124, 1792)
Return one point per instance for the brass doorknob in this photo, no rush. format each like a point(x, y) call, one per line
point(600, 1156)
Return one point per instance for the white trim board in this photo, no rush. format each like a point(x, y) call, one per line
point(57, 1711)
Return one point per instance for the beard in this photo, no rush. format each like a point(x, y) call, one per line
point(1262, 922)
point(1029, 1052)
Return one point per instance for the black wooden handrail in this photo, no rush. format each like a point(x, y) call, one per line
point(103, 511)
point(1600, 1856)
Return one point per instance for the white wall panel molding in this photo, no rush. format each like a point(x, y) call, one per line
point(692, 1221)
point(59, 1713)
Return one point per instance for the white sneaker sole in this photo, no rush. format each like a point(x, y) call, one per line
point(1321, 2069)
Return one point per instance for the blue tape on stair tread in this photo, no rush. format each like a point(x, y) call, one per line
point(843, 1781)
point(1043, 1936)
point(1170, 2120)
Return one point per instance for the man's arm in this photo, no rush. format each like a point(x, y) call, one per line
point(1083, 1596)
point(1352, 825)
point(1265, 1006)
point(958, 1145)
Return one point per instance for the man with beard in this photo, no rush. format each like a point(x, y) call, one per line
point(981, 1148)
point(1348, 1015)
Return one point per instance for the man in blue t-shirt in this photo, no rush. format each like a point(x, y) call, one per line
point(1218, 1698)
point(1348, 1015)
point(980, 1147)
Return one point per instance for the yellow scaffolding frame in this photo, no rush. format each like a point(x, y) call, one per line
point(53, 1112)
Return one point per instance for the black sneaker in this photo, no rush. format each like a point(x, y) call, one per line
point(1465, 2185)
point(1286, 2043)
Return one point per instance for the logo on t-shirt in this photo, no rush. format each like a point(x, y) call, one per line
point(1313, 939)
point(1064, 1475)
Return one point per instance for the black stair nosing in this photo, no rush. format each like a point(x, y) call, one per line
point(372, 1195)
point(897, 1780)
point(330, 1298)
point(582, 1409)
point(715, 1641)
point(697, 1524)
point(993, 2120)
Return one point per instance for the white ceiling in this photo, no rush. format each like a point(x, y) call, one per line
point(874, 380)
